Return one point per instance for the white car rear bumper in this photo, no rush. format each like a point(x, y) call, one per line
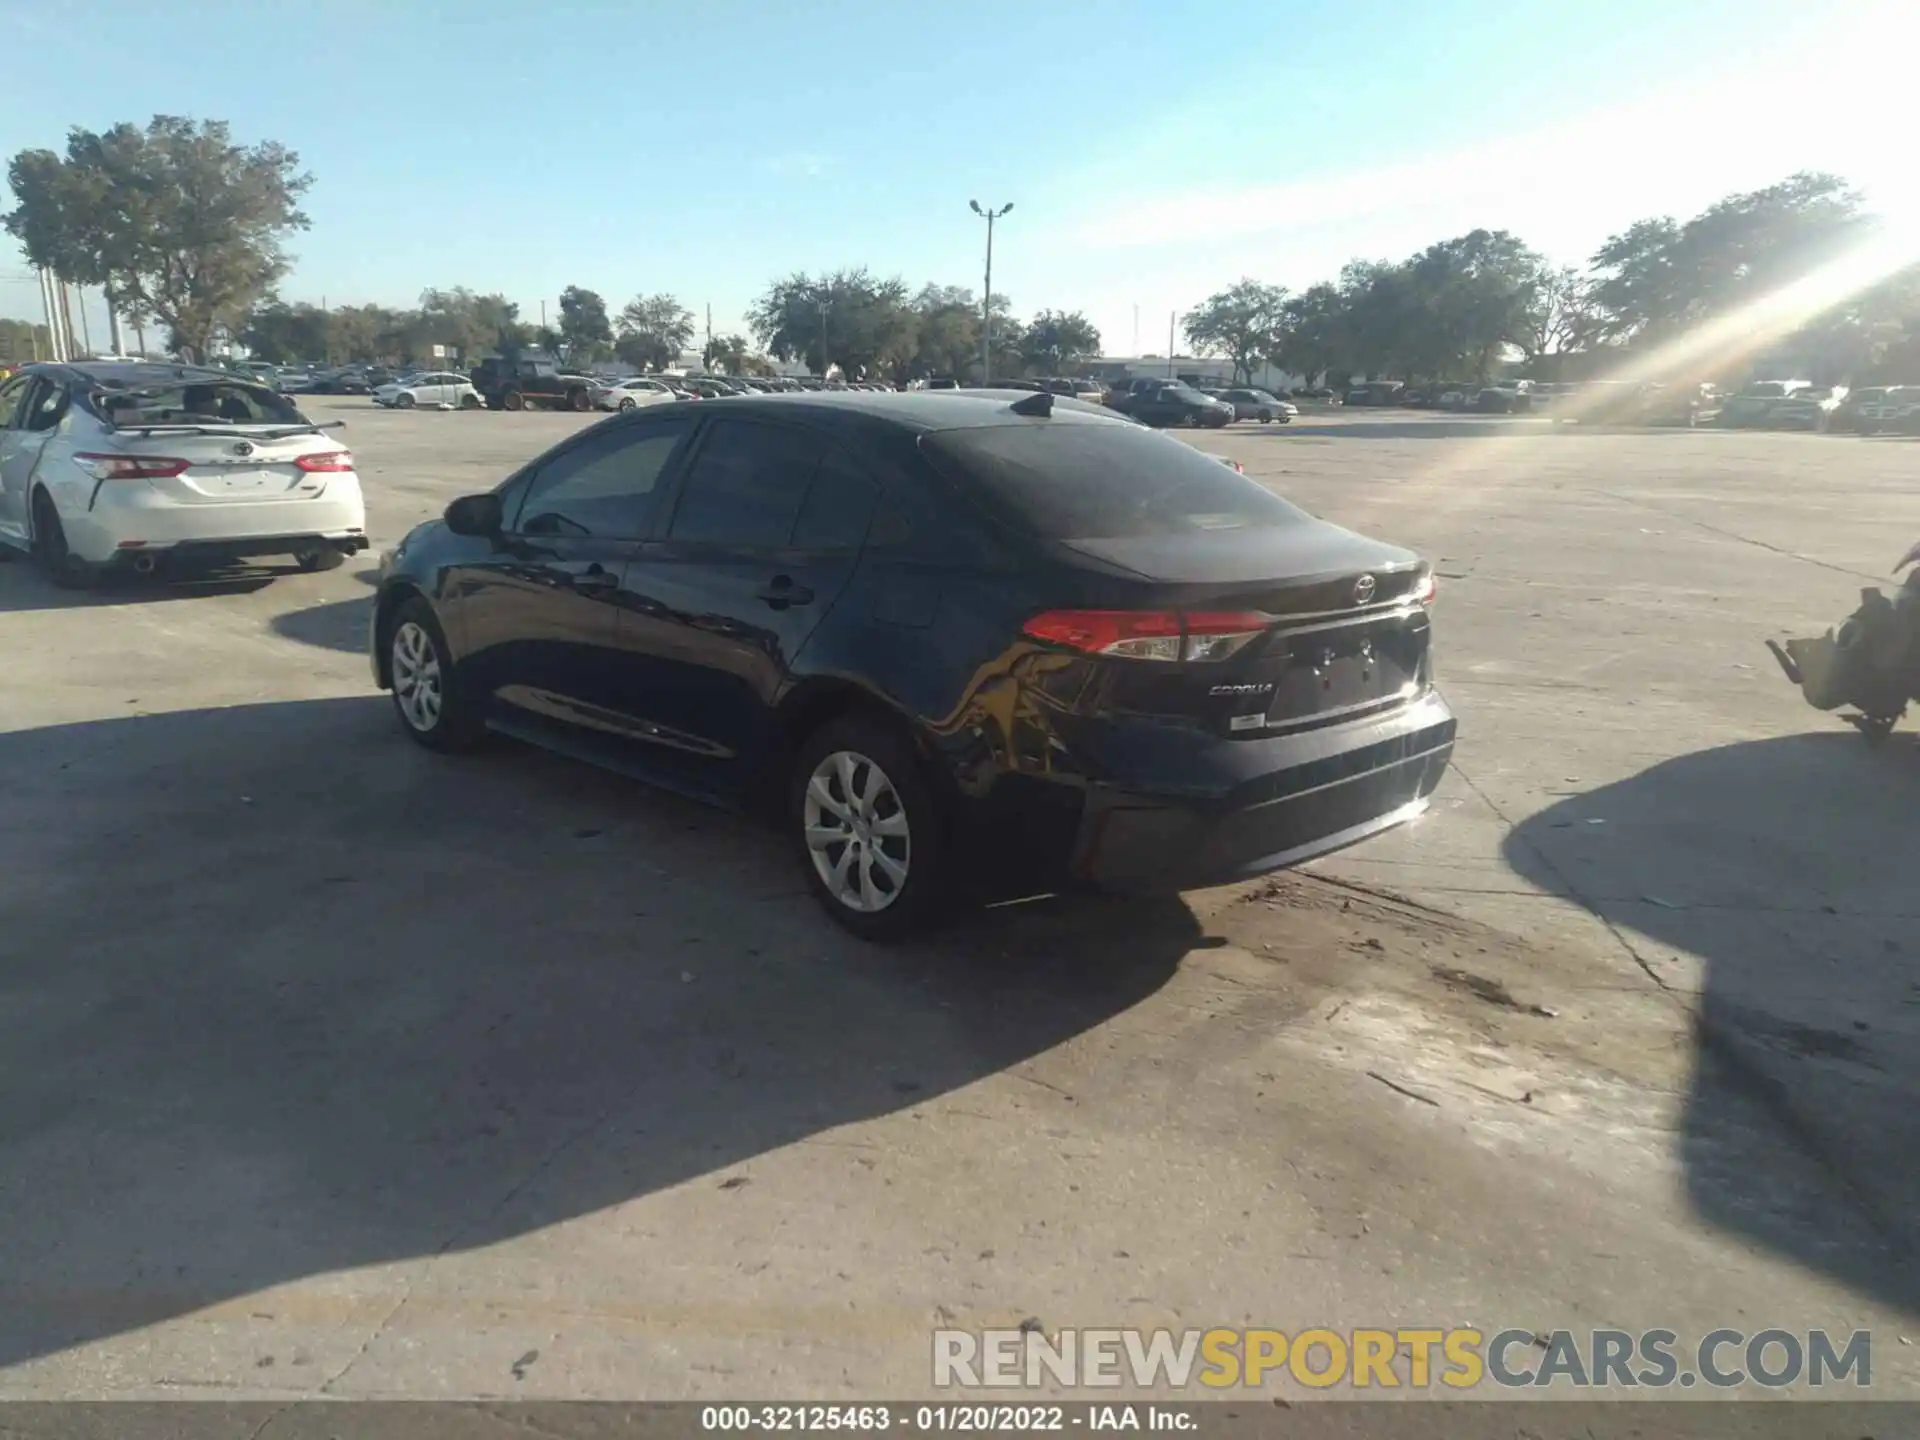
point(136, 519)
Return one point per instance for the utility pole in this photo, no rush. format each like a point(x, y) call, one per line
point(989, 214)
point(46, 304)
point(1170, 323)
point(703, 358)
point(824, 362)
point(66, 320)
point(86, 338)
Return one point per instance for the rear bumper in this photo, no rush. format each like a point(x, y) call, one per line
point(139, 520)
point(1320, 791)
point(217, 552)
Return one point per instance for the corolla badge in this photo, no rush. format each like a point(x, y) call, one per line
point(1252, 689)
point(1363, 589)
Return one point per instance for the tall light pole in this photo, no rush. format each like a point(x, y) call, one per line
point(988, 214)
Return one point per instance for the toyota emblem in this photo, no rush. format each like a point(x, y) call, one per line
point(1363, 590)
point(245, 448)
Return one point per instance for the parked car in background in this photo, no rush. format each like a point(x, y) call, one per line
point(135, 467)
point(1752, 404)
point(1163, 403)
point(635, 391)
point(1881, 409)
point(1511, 397)
point(434, 389)
point(1258, 405)
point(1454, 398)
point(521, 382)
point(1811, 408)
point(1112, 696)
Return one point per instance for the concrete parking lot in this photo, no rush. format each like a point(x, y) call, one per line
point(334, 1067)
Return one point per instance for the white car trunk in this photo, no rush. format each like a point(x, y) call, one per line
point(241, 464)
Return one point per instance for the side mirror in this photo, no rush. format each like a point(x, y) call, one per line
point(478, 515)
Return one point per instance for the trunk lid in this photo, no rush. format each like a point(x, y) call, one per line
point(240, 464)
point(1341, 627)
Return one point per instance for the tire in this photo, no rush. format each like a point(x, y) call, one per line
point(839, 763)
point(469, 402)
point(403, 401)
point(1191, 420)
point(513, 400)
point(50, 551)
point(324, 558)
point(629, 404)
point(579, 400)
point(439, 716)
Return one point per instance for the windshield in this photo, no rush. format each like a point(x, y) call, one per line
point(1101, 481)
point(195, 402)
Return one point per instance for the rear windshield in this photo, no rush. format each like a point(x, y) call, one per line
point(1102, 482)
point(195, 402)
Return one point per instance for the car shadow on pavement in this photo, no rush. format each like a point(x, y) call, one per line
point(337, 625)
point(345, 1002)
point(1773, 885)
point(23, 588)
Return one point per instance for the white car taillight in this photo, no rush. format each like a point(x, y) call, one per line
point(326, 462)
point(131, 467)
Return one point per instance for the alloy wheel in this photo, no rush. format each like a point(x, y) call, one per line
point(416, 677)
point(857, 832)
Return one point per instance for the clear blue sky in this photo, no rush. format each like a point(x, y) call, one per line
point(1154, 152)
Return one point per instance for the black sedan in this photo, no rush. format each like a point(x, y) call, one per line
point(955, 644)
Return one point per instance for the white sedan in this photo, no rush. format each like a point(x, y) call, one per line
point(633, 392)
point(442, 390)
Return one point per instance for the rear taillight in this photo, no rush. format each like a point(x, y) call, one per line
point(326, 462)
point(1424, 589)
point(131, 467)
point(1149, 634)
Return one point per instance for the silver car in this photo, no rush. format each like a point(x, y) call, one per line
point(633, 392)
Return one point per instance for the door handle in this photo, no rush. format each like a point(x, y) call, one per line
point(781, 591)
point(595, 578)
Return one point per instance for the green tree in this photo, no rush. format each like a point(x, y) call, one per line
point(947, 332)
point(176, 221)
point(278, 332)
point(728, 354)
point(1660, 277)
point(654, 329)
point(21, 342)
point(1466, 300)
point(848, 318)
point(585, 330)
point(1311, 338)
point(1241, 322)
point(1058, 340)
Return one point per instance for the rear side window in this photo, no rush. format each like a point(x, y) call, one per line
point(745, 486)
point(196, 402)
point(1096, 481)
point(838, 507)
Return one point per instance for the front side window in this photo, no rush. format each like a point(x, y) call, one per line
point(603, 486)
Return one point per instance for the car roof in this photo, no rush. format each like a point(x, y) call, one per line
point(135, 373)
point(917, 411)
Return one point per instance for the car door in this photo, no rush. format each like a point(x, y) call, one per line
point(766, 527)
point(535, 617)
point(18, 450)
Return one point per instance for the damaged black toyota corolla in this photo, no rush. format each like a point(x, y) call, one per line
point(957, 645)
